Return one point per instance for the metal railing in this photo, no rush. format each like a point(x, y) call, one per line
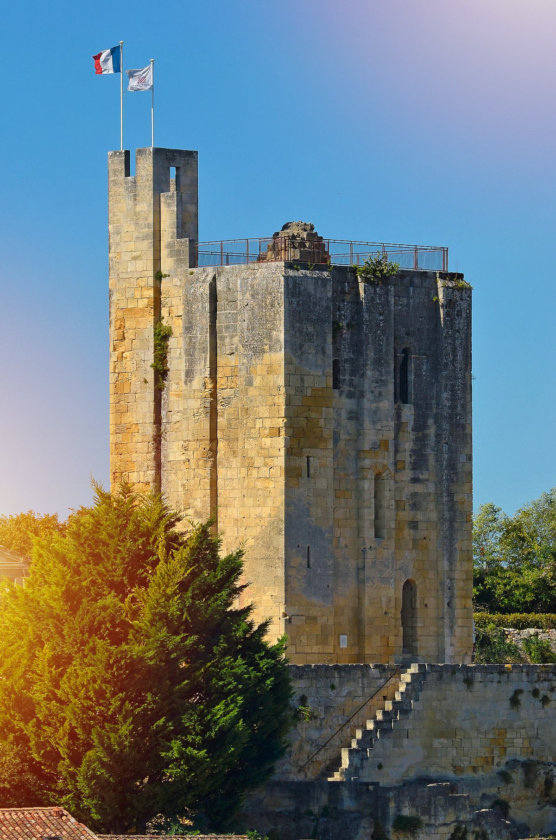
point(333, 251)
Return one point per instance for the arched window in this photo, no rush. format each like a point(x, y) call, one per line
point(404, 377)
point(380, 505)
point(409, 618)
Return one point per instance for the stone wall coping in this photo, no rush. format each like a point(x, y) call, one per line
point(416, 278)
point(496, 668)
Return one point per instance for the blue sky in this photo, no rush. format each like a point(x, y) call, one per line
point(415, 121)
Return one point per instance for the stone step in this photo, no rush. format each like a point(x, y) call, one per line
point(346, 756)
point(386, 719)
point(410, 687)
point(366, 741)
point(402, 706)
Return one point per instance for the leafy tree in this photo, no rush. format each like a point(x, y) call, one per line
point(515, 557)
point(488, 526)
point(131, 683)
point(17, 532)
point(487, 530)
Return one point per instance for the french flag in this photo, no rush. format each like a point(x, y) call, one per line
point(108, 61)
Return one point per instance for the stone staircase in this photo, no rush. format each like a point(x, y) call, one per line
point(382, 724)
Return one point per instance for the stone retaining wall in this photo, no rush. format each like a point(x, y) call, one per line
point(519, 636)
point(327, 697)
point(475, 752)
point(467, 720)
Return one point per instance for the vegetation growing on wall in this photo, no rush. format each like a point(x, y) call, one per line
point(407, 823)
point(503, 806)
point(538, 650)
point(304, 712)
point(515, 699)
point(491, 646)
point(377, 268)
point(162, 333)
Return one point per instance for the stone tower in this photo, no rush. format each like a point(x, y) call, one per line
point(321, 417)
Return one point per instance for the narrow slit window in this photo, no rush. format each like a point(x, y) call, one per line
point(308, 466)
point(335, 374)
point(405, 377)
point(308, 556)
point(380, 506)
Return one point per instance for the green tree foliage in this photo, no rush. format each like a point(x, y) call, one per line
point(515, 557)
point(17, 532)
point(131, 683)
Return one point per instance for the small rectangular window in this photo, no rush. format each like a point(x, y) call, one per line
point(343, 641)
point(174, 179)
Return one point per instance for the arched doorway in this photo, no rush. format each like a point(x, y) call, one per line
point(409, 618)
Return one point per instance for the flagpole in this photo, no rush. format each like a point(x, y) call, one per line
point(152, 103)
point(121, 96)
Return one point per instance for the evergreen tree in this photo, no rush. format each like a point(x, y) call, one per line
point(131, 683)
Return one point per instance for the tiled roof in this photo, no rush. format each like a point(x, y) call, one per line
point(41, 824)
point(174, 837)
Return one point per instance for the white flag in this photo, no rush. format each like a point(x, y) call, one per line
point(140, 79)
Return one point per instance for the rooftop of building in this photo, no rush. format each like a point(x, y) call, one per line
point(41, 824)
point(298, 241)
point(175, 836)
point(55, 823)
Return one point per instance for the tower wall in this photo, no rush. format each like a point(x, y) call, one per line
point(148, 214)
point(223, 416)
point(371, 446)
point(323, 422)
point(311, 590)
